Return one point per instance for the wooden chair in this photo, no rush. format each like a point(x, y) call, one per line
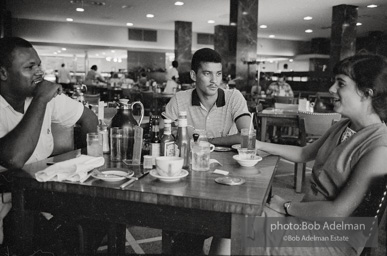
point(63, 138)
point(92, 99)
point(311, 127)
point(284, 99)
point(374, 206)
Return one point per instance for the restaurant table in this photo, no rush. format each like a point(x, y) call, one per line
point(195, 204)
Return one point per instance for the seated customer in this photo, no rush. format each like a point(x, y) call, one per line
point(28, 106)
point(280, 88)
point(219, 112)
point(349, 158)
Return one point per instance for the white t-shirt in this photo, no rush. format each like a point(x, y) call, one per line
point(64, 75)
point(61, 109)
point(172, 72)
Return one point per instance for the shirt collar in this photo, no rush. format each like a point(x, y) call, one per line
point(220, 101)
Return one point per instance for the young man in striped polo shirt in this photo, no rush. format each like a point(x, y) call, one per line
point(222, 113)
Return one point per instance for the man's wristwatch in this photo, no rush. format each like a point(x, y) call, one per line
point(286, 207)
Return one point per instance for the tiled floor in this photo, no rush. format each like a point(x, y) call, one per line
point(141, 240)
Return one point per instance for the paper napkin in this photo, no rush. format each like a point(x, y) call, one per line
point(76, 169)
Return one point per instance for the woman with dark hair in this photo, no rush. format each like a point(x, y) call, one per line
point(349, 158)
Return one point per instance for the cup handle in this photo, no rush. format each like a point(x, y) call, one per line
point(212, 147)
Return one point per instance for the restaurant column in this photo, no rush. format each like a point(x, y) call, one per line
point(225, 45)
point(5, 20)
point(244, 15)
point(343, 33)
point(183, 45)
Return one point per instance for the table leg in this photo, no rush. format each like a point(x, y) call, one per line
point(22, 225)
point(116, 239)
point(167, 239)
point(299, 176)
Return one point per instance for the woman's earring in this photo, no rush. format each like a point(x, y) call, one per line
point(370, 92)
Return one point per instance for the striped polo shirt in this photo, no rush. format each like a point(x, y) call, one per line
point(230, 105)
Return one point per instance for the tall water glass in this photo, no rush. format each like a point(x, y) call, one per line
point(248, 138)
point(201, 156)
point(94, 144)
point(116, 144)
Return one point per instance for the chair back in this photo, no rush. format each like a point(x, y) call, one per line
point(318, 123)
point(284, 99)
point(63, 138)
point(283, 106)
point(373, 205)
point(92, 99)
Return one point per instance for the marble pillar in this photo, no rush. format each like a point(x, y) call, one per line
point(183, 45)
point(225, 45)
point(343, 32)
point(5, 20)
point(244, 14)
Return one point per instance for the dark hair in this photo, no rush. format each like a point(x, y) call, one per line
point(204, 55)
point(94, 67)
point(8, 45)
point(175, 64)
point(369, 71)
point(63, 64)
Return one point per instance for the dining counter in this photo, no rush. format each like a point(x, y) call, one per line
point(194, 204)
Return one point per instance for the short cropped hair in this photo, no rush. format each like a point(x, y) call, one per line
point(204, 55)
point(175, 64)
point(8, 45)
point(94, 67)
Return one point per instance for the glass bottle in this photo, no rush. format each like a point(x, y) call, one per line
point(182, 138)
point(104, 136)
point(155, 142)
point(146, 145)
point(168, 141)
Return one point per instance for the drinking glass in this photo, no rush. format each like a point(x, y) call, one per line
point(248, 138)
point(116, 144)
point(94, 144)
point(201, 156)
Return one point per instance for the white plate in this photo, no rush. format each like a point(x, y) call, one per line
point(236, 146)
point(183, 174)
point(112, 174)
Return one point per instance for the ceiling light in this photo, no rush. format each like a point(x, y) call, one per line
point(119, 60)
point(113, 51)
point(69, 19)
point(359, 24)
point(308, 18)
point(55, 53)
point(211, 21)
point(149, 15)
point(263, 26)
point(64, 49)
point(272, 36)
point(245, 13)
point(372, 6)
point(232, 24)
point(59, 51)
point(308, 31)
point(108, 58)
point(290, 60)
point(103, 53)
point(80, 10)
point(129, 24)
point(178, 3)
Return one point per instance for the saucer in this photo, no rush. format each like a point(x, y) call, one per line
point(222, 149)
point(113, 174)
point(182, 174)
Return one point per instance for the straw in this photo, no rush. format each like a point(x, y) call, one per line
point(251, 122)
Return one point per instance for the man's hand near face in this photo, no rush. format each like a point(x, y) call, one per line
point(46, 90)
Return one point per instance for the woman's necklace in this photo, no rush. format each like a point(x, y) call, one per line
point(347, 134)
